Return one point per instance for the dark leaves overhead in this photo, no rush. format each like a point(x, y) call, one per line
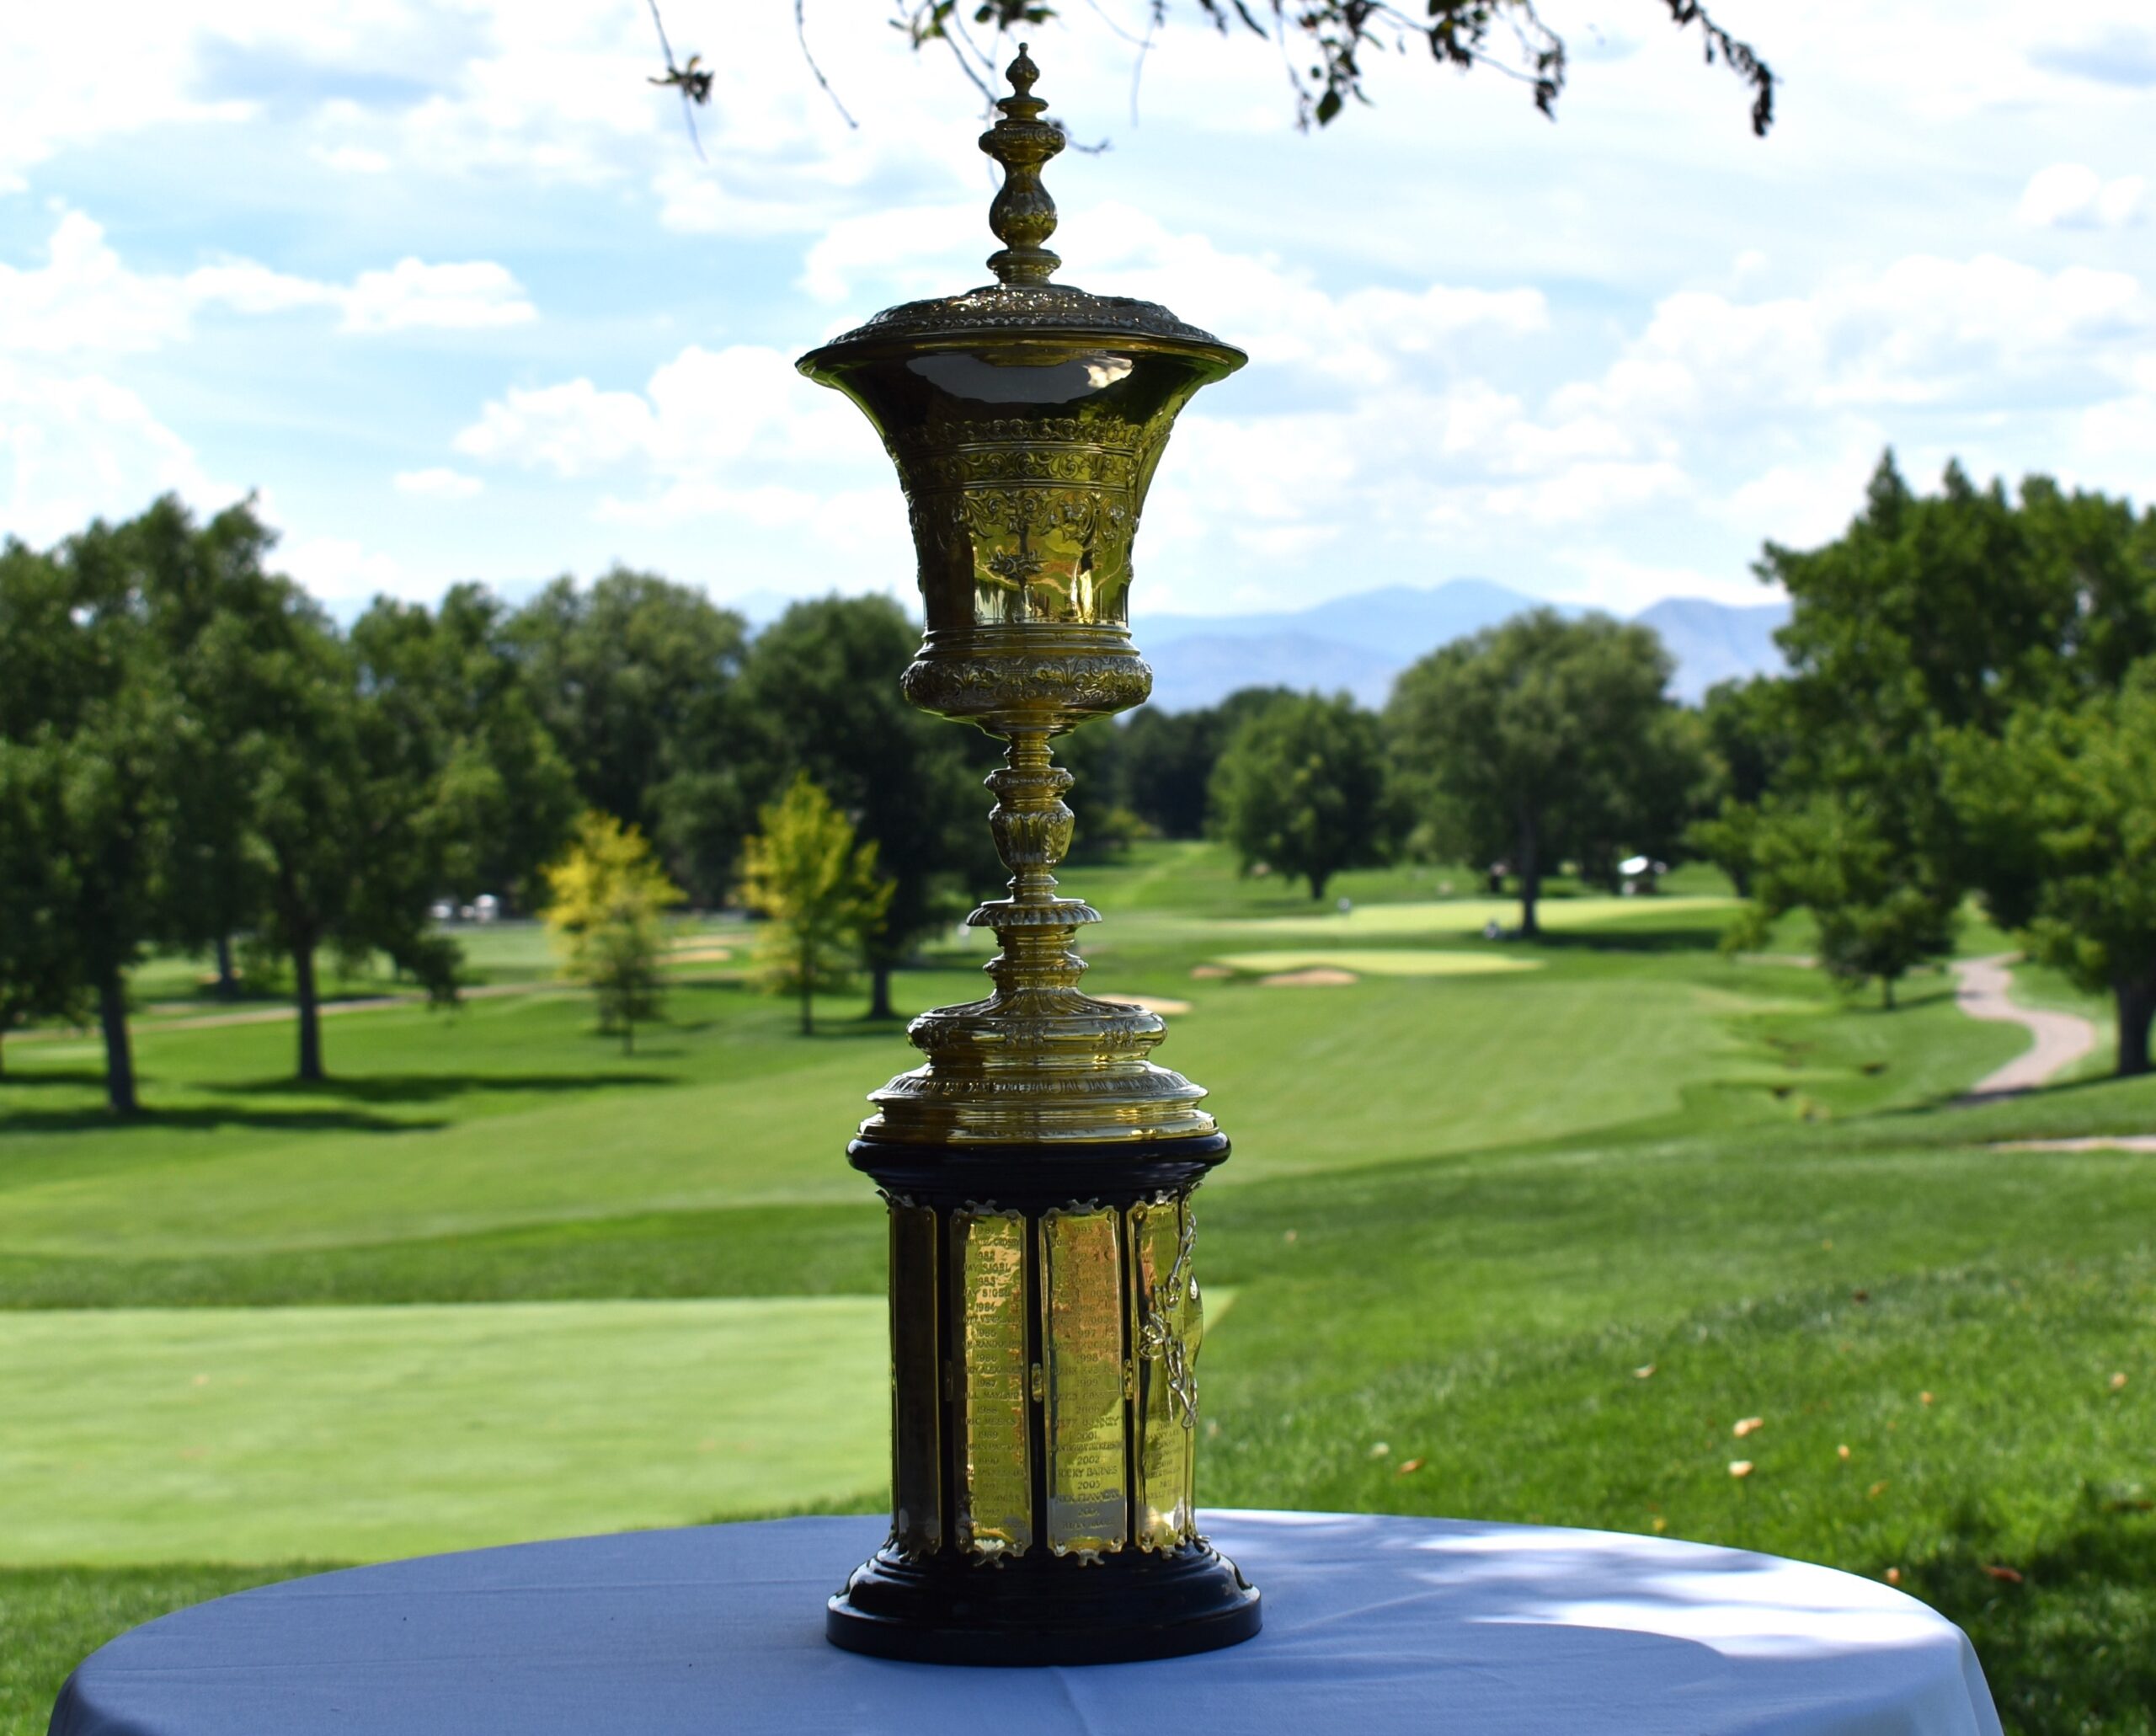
point(1327, 42)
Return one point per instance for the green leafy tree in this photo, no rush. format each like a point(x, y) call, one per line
point(820, 887)
point(1880, 909)
point(502, 799)
point(340, 805)
point(40, 960)
point(1542, 737)
point(635, 678)
point(2062, 811)
point(1934, 621)
point(607, 905)
point(821, 686)
point(1302, 788)
point(1749, 745)
point(91, 720)
point(1168, 757)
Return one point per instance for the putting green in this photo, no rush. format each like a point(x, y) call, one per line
point(1383, 961)
point(137, 1435)
point(1470, 916)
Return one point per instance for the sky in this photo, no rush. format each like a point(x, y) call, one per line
point(447, 286)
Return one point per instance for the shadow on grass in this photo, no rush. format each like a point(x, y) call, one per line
point(15, 1079)
point(435, 1088)
point(1641, 939)
point(2068, 1635)
point(208, 1117)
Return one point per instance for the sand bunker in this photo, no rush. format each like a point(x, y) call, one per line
point(1321, 976)
point(1154, 1003)
point(1209, 972)
point(695, 952)
point(1383, 961)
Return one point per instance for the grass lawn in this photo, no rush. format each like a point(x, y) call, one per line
point(1525, 1244)
point(260, 1434)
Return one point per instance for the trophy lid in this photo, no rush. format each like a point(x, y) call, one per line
point(1022, 305)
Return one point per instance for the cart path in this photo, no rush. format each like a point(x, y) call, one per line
point(2060, 1038)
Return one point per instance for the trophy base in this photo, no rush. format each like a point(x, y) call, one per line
point(1122, 1608)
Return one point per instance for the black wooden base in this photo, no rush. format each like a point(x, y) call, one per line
point(1040, 1608)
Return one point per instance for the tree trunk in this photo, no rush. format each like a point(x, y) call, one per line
point(628, 1036)
point(227, 983)
point(1530, 877)
point(310, 1014)
point(1317, 885)
point(1887, 992)
point(119, 1058)
point(2136, 1000)
point(879, 990)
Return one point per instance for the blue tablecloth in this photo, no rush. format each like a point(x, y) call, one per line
point(1372, 1627)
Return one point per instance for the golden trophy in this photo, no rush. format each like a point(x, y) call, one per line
point(1038, 1166)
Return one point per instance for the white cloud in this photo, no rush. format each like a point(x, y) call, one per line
point(2072, 195)
point(73, 448)
point(351, 159)
point(437, 484)
point(338, 569)
point(83, 300)
point(708, 422)
point(413, 294)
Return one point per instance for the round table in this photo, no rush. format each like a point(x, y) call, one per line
point(1372, 1626)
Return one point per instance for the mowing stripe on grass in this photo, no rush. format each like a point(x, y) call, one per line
point(139, 1435)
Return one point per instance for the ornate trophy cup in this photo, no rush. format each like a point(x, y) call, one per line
point(1038, 1167)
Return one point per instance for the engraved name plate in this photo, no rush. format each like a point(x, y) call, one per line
point(993, 1496)
point(1082, 1352)
point(916, 1384)
point(1163, 1314)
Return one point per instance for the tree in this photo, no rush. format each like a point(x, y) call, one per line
point(91, 718)
point(635, 680)
point(1302, 788)
point(2062, 809)
point(820, 890)
point(1880, 909)
point(503, 802)
point(1336, 35)
point(1168, 757)
point(1749, 746)
point(607, 902)
point(40, 960)
point(821, 689)
point(1932, 622)
point(1542, 737)
point(340, 805)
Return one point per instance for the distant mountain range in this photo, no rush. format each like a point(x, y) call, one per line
point(1360, 642)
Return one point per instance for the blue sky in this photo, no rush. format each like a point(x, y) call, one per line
point(446, 284)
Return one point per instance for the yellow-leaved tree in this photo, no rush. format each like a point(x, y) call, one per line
point(820, 890)
point(607, 903)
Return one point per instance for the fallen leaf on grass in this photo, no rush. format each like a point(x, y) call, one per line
point(2117, 1382)
point(1748, 1425)
point(1286, 1235)
point(1841, 1452)
point(2008, 1574)
point(1661, 1525)
point(1876, 1491)
point(1379, 1449)
point(1408, 1465)
point(1924, 1398)
point(1893, 1576)
point(1645, 1371)
point(1740, 1467)
point(1860, 1295)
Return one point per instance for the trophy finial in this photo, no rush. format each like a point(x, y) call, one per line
point(1023, 214)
